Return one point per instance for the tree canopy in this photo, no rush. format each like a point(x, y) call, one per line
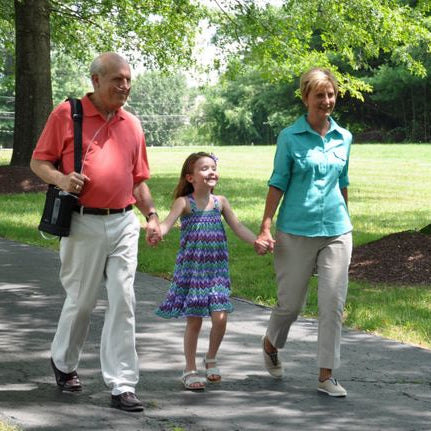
point(365, 42)
point(379, 51)
point(154, 33)
point(345, 35)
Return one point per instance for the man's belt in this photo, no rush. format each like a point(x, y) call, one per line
point(102, 211)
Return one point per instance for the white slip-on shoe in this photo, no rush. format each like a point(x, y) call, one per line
point(332, 388)
point(272, 363)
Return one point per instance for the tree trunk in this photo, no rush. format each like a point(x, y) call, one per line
point(33, 94)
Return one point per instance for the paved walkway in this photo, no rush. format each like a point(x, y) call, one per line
point(388, 383)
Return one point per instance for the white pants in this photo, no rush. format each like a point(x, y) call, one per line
point(100, 249)
point(295, 258)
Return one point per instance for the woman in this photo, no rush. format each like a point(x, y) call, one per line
point(310, 175)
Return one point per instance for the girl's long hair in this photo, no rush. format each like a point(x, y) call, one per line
point(183, 187)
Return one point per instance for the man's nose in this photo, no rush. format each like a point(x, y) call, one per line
point(125, 84)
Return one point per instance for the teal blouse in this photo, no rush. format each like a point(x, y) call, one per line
point(311, 170)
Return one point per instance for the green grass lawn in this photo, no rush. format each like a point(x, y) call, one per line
point(389, 192)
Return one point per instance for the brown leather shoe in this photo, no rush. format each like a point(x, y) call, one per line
point(127, 401)
point(66, 381)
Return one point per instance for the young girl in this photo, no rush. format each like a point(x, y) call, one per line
point(201, 282)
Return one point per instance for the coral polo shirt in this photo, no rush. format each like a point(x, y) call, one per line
point(114, 154)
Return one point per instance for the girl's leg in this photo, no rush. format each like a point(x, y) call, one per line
point(191, 335)
point(218, 329)
point(190, 377)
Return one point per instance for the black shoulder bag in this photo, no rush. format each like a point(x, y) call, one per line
point(59, 205)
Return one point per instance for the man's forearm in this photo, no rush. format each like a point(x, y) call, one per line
point(46, 171)
point(144, 200)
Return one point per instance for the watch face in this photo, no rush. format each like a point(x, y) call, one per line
point(151, 214)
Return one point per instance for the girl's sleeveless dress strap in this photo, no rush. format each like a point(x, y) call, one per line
point(216, 203)
point(192, 203)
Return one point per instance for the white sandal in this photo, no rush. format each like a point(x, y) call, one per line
point(190, 378)
point(212, 371)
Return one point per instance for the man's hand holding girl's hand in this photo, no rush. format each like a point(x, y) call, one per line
point(153, 234)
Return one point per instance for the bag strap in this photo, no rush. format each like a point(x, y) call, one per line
point(76, 109)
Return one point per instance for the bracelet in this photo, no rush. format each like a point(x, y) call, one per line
point(152, 213)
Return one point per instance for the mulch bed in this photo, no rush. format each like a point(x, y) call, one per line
point(402, 258)
point(19, 179)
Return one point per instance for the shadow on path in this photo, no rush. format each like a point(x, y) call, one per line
point(387, 382)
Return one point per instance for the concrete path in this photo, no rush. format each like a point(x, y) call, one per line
point(388, 383)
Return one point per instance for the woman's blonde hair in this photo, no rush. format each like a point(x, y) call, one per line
point(183, 187)
point(315, 78)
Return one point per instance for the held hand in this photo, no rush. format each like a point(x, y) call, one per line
point(153, 234)
point(72, 182)
point(264, 243)
point(261, 247)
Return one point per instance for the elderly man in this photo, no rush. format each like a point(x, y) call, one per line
point(103, 243)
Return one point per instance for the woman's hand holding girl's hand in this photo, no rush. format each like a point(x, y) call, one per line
point(260, 247)
point(264, 243)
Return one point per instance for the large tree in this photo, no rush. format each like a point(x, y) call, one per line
point(156, 33)
point(33, 95)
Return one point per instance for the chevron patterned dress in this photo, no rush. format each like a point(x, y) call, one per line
point(201, 281)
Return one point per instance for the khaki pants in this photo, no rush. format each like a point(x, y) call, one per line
point(100, 249)
point(295, 259)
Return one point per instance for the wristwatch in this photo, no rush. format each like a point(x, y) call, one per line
point(152, 213)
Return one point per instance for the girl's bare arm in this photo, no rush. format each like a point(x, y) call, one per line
point(238, 228)
point(178, 208)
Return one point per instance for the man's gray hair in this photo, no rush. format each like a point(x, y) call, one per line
point(99, 64)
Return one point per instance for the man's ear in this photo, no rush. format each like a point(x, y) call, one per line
point(95, 80)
